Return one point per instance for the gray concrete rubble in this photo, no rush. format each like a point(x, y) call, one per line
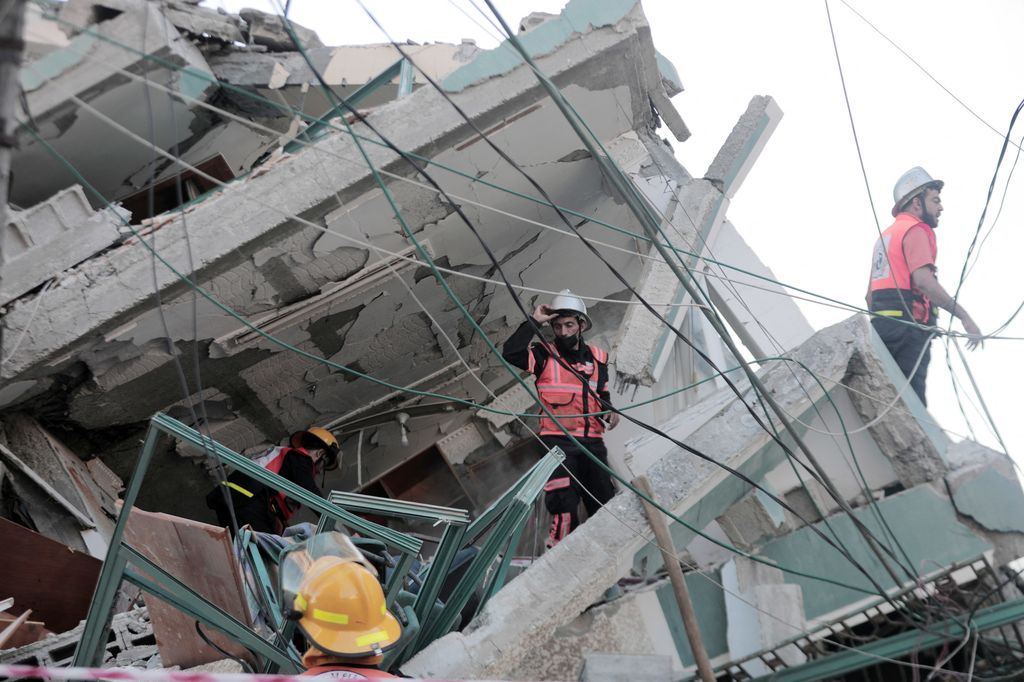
point(63, 497)
point(337, 282)
point(88, 68)
point(269, 31)
point(131, 644)
point(761, 607)
point(37, 244)
point(272, 279)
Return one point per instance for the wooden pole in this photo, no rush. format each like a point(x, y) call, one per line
point(675, 574)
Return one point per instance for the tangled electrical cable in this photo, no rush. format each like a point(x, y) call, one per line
point(412, 238)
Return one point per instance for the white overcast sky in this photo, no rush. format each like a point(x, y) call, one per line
point(804, 208)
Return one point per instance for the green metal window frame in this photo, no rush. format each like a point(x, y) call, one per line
point(502, 524)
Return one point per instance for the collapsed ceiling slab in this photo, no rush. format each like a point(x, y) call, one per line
point(565, 581)
point(309, 250)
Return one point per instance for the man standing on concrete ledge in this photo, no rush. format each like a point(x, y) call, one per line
point(572, 380)
point(903, 289)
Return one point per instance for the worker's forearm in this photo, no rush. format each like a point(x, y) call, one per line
point(925, 281)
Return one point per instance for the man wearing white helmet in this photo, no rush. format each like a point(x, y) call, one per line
point(903, 289)
point(572, 382)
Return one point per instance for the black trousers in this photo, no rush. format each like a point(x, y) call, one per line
point(254, 511)
point(905, 344)
point(578, 479)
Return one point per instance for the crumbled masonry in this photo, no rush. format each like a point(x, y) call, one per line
point(225, 255)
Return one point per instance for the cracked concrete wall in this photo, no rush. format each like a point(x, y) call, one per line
point(512, 625)
point(86, 67)
point(95, 355)
point(515, 621)
point(241, 216)
point(37, 244)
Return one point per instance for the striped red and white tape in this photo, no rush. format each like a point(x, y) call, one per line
point(130, 674)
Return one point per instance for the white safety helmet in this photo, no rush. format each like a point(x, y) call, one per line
point(909, 185)
point(568, 303)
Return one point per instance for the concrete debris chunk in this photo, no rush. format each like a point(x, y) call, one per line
point(131, 640)
point(269, 30)
point(35, 244)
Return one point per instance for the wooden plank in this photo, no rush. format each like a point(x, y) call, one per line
point(200, 556)
point(31, 631)
point(9, 631)
point(54, 581)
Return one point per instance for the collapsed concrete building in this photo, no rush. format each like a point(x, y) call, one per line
point(230, 168)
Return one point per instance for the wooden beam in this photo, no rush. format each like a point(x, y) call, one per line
point(675, 574)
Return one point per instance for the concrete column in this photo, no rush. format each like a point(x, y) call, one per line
point(12, 19)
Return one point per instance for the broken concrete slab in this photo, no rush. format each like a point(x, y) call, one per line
point(203, 22)
point(87, 67)
point(199, 22)
point(269, 30)
point(50, 237)
point(916, 446)
point(742, 148)
point(583, 565)
point(992, 498)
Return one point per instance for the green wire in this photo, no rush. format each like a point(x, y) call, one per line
point(607, 163)
point(226, 309)
point(512, 370)
point(327, 122)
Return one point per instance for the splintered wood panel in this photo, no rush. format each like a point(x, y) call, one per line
point(200, 556)
point(56, 582)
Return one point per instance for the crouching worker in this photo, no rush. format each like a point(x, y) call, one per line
point(309, 453)
point(335, 596)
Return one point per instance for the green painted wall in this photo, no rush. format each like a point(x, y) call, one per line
point(709, 603)
point(55, 63)
point(724, 495)
point(992, 500)
point(576, 17)
point(923, 521)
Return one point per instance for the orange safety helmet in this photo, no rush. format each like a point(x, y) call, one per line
point(319, 438)
point(341, 609)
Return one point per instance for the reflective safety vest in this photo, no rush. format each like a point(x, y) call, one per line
point(563, 393)
point(892, 293)
point(340, 672)
point(272, 460)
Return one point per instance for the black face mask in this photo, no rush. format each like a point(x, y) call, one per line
point(568, 344)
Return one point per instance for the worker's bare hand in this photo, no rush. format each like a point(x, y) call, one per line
point(612, 420)
point(544, 313)
point(975, 339)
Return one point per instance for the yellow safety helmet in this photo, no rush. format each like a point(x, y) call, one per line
point(317, 437)
point(341, 609)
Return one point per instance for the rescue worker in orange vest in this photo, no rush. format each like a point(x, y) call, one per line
point(338, 601)
point(309, 453)
point(903, 288)
point(572, 380)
